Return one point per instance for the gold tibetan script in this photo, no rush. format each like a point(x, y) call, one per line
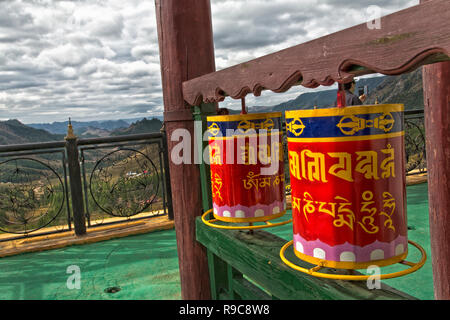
point(215, 155)
point(388, 210)
point(368, 164)
point(367, 221)
point(387, 165)
point(314, 166)
point(265, 153)
point(345, 215)
point(216, 185)
point(341, 209)
point(342, 169)
point(310, 165)
point(256, 181)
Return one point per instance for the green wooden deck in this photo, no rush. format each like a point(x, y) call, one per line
point(255, 257)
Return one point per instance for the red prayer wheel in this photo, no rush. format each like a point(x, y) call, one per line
point(247, 168)
point(348, 185)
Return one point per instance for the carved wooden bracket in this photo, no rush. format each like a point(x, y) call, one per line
point(406, 40)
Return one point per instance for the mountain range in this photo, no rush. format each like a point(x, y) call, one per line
point(406, 89)
point(143, 126)
point(80, 127)
point(15, 132)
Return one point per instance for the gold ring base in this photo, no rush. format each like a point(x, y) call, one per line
point(349, 264)
point(320, 264)
point(249, 220)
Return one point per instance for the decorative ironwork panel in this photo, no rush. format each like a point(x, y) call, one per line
point(124, 182)
point(32, 195)
point(415, 144)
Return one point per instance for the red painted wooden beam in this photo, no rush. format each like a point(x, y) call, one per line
point(436, 81)
point(406, 40)
point(186, 51)
point(436, 86)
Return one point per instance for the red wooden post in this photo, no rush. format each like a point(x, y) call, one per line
point(436, 87)
point(186, 51)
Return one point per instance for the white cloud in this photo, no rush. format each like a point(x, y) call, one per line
point(69, 72)
point(89, 58)
point(109, 26)
point(65, 55)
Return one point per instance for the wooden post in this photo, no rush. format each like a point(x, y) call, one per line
point(436, 89)
point(200, 114)
point(436, 86)
point(167, 174)
point(76, 191)
point(186, 51)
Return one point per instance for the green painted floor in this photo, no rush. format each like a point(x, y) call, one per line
point(146, 266)
point(420, 283)
point(142, 266)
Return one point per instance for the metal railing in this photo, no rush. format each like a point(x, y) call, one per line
point(416, 161)
point(123, 178)
point(33, 188)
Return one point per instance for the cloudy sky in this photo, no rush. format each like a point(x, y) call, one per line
point(99, 59)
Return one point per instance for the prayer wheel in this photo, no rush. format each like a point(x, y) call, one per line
point(348, 185)
point(247, 168)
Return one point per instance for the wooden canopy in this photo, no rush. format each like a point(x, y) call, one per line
point(406, 40)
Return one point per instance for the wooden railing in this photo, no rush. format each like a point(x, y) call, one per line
point(248, 267)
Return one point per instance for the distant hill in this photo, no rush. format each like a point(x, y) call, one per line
point(133, 120)
point(91, 132)
point(15, 132)
point(80, 127)
point(406, 89)
point(142, 126)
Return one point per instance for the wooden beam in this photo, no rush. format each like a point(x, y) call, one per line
point(436, 86)
point(406, 40)
point(186, 51)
